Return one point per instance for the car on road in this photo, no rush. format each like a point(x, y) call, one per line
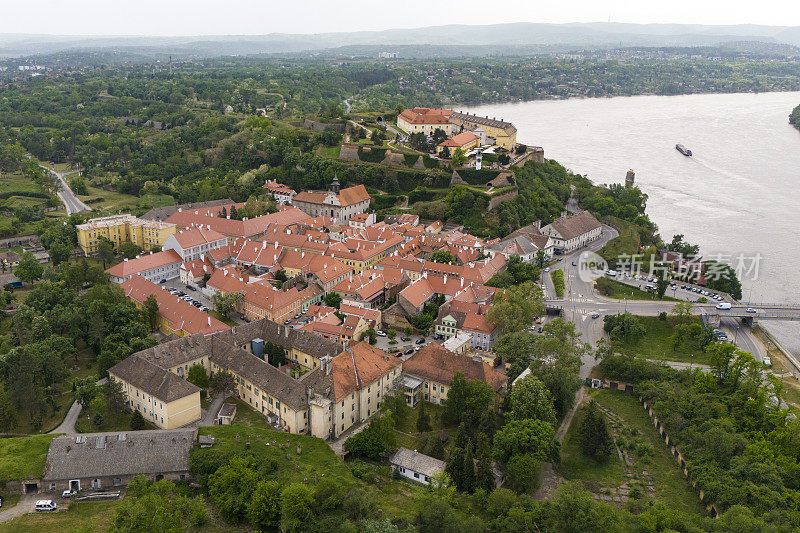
point(163, 281)
point(724, 306)
point(287, 322)
point(767, 361)
point(750, 310)
point(421, 341)
point(398, 354)
point(409, 351)
point(547, 269)
point(203, 308)
point(181, 293)
point(595, 315)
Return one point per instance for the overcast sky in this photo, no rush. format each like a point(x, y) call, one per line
point(256, 17)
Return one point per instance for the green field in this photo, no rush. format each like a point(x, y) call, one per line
point(113, 201)
point(657, 343)
point(18, 182)
point(23, 457)
point(652, 454)
point(611, 288)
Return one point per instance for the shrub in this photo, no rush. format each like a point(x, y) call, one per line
point(558, 281)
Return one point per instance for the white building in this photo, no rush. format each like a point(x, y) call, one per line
point(416, 466)
point(193, 243)
point(571, 232)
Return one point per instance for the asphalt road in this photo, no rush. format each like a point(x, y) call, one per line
point(71, 202)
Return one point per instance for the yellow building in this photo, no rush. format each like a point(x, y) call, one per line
point(162, 397)
point(123, 228)
point(504, 133)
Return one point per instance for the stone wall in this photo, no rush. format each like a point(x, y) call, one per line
point(494, 201)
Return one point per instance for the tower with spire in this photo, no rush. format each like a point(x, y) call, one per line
point(335, 184)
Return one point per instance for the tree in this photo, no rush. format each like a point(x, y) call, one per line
point(522, 473)
point(595, 438)
point(468, 471)
point(114, 395)
point(78, 185)
point(443, 256)
point(423, 418)
point(222, 382)
point(137, 420)
point(157, 508)
point(682, 311)
point(264, 509)
point(85, 390)
point(624, 327)
point(392, 334)
point(396, 404)
point(228, 303)
point(514, 308)
point(29, 269)
point(662, 281)
point(541, 258)
point(296, 502)
point(467, 401)
point(231, 488)
point(458, 159)
point(444, 153)
point(376, 440)
point(59, 253)
point(198, 376)
point(519, 437)
point(680, 246)
point(332, 299)
point(105, 251)
point(129, 249)
point(151, 311)
point(529, 398)
point(485, 475)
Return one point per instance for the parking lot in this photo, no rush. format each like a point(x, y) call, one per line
point(677, 289)
point(194, 295)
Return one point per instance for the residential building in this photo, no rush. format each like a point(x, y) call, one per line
point(436, 367)
point(362, 220)
point(163, 213)
point(504, 133)
point(338, 204)
point(465, 141)
point(249, 228)
point(425, 120)
point(163, 398)
point(195, 242)
point(416, 466)
point(281, 193)
point(154, 267)
point(123, 228)
point(570, 232)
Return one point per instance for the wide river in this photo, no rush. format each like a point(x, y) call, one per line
point(738, 196)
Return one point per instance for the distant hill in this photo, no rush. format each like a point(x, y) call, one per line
point(498, 37)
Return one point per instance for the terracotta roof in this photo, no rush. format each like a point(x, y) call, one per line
point(369, 314)
point(286, 216)
point(434, 363)
point(131, 267)
point(226, 280)
point(197, 236)
point(477, 323)
point(358, 367)
point(418, 292)
point(460, 140)
point(353, 195)
point(426, 115)
point(182, 315)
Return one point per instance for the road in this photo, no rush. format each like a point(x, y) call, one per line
point(71, 202)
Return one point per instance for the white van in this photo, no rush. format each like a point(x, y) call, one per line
point(46, 505)
point(724, 305)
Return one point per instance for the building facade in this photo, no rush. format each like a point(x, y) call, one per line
point(123, 228)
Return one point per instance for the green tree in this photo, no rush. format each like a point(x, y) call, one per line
point(105, 251)
point(392, 334)
point(157, 508)
point(151, 311)
point(458, 159)
point(231, 488)
point(264, 509)
point(519, 437)
point(522, 473)
point(137, 420)
point(468, 471)
point(514, 308)
point(198, 376)
point(485, 475)
point(423, 418)
point(296, 502)
point(529, 398)
point(443, 256)
point(467, 401)
point(29, 269)
point(228, 303)
point(332, 299)
point(59, 253)
point(129, 250)
point(222, 382)
point(376, 440)
point(624, 327)
point(595, 438)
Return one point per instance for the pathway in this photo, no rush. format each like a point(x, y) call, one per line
point(25, 505)
point(210, 416)
point(68, 425)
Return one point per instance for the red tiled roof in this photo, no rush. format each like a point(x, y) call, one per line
point(358, 367)
point(181, 314)
point(460, 140)
point(143, 263)
point(434, 363)
point(196, 236)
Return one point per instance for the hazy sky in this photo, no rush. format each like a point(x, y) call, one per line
point(213, 17)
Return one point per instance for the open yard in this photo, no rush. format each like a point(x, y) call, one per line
point(112, 201)
point(658, 343)
point(89, 516)
point(647, 469)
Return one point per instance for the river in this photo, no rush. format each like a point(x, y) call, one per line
point(738, 195)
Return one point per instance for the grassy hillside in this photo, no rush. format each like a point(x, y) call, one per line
point(23, 457)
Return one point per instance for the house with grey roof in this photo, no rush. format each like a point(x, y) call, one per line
point(570, 232)
point(95, 461)
point(415, 466)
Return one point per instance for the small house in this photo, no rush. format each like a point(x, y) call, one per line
point(416, 466)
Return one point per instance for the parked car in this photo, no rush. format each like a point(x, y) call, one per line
point(190, 288)
point(409, 351)
point(547, 269)
point(380, 333)
point(46, 505)
point(421, 341)
point(67, 493)
point(595, 315)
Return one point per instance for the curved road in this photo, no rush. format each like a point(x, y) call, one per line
point(70, 200)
